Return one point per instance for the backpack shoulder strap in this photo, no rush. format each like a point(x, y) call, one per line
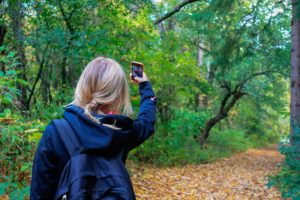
point(67, 135)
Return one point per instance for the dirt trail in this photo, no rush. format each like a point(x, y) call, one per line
point(242, 176)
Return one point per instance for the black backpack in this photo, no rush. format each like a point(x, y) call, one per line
point(86, 175)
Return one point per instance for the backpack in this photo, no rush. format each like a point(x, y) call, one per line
point(89, 175)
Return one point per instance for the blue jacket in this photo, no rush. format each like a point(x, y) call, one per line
point(51, 154)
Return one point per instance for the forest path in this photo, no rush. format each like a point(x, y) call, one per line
point(242, 176)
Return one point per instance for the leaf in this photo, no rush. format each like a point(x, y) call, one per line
point(7, 112)
point(11, 54)
point(242, 176)
point(35, 137)
point(22, 82)
point(10, 72)
point(24, 168)
point(7, 98)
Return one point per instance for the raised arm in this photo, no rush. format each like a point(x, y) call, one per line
point(143, 126)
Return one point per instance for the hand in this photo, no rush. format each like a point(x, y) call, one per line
point(138, 80)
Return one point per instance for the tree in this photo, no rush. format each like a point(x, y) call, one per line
point(3, 28)
point(238, 50)
point(295, 72)
point(290, 170)
point(2, 33)
point(16, 12)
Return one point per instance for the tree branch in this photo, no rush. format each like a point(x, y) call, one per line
point(235, 98)
point(40, 71)
point(268, 72)
point(72, 12)
point(176, 9)
point(196, 44)
point(224, 101)
point(67, 19)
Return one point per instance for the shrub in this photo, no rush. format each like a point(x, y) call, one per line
point(8, 78)
point(176, 144)
point(288, 179)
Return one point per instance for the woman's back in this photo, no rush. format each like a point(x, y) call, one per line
point(111, 139)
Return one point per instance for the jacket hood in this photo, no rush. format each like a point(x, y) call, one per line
point(93, 136)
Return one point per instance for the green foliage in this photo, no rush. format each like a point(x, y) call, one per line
point(14, 190)
point(173, 144)
point(240, 38)
point(224, 144)
point(177, 144)
point(256, 118)
point(8, 78)
point(288, 179)
point(18, 142)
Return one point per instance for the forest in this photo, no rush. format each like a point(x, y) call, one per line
point(225, 73)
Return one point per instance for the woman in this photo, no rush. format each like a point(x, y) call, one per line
point(98, 118)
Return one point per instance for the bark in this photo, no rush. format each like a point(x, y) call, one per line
point(2, 35)
point(45, 86)
point(3, 31)
point(200, 55)
point(223, 113)
point(46, 76)
point(198, 99)
point(161, 29)
point(211, 71)
point(67, 19)
point(295, 72)
point(42, 63)
point(16, 15)
point(3, 28)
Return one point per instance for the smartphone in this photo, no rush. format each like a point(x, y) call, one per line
point(137, 69)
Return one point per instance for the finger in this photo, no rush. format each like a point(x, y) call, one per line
point(138, 79)
point(130, 77)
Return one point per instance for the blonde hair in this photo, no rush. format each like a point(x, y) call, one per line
point(102, 83)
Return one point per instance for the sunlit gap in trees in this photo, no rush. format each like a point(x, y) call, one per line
point(157, 1)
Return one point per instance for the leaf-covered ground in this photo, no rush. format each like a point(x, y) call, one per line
point(242, 176)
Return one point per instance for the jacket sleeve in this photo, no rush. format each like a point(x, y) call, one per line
point(44, 178)
point(143, 126)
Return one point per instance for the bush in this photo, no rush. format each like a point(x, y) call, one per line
point(18, 140)
point(14, 190)
point(177, 145)
point(9, 78)
point(288, 179)
point(171, 144)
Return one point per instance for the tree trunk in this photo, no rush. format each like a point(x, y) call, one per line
point(161, 29)
point(64, 68)
point(45, 85)
point(295, 73)
point(200, 54)
point(16, 15)
point(209, 125)
point(199, 101)
point(37, 78)
point(223, 113)
point(67, 19)
point(211, 70)
point(2, 33)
